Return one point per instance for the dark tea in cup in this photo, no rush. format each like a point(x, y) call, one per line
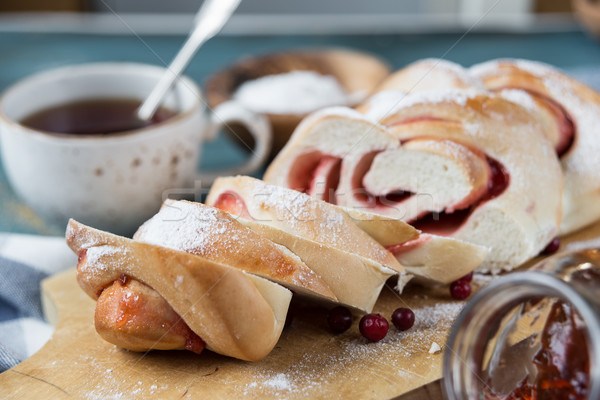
point(93, 117)
point(61, 159)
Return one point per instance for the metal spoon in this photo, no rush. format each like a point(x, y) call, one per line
point(207, 23)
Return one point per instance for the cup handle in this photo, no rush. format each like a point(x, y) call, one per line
point(257, 124)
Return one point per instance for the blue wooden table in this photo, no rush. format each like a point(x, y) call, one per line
point(22, 54)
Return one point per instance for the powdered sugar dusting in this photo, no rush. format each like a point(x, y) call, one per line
point(450, 71)
point(299, 214)
point(279, 382)
point(580, 164)
point(457, 96)
point(99, 258)
point(194, 228)
point(519, 97)
point(358, 358)
point(383, 103)
point(536, 68)
point(389, 102)
point(493, 67)
point(290, 205)
point(80, 237)
point(96, 254)
point(336, 112)
point(211, 233)
point(295, 92)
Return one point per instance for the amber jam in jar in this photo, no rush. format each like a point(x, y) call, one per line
point(531, 335)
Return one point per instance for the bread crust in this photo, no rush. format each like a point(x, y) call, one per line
point(430, 74)
point(215, 235)
point(430, 258)
point(387, 231)
point(581, 199)
point(236, 314)
point(438, 259)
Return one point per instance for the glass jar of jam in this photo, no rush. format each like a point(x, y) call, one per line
point(530, 335)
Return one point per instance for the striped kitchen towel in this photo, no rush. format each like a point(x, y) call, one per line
point(25, 260)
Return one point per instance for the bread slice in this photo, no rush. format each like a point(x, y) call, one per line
point(438, 259)
point(235, 313)
point(430, 258)
point(575, 113)
point(352, 263)
point(355, 280)
point(215, 235)
point(450, 177)
point(301, 215)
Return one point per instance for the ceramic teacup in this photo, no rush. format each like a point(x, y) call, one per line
point(113, 181)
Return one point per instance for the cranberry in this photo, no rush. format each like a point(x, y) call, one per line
point(123, 280)
point(467, 278)
point(552, 247)
point(339, 319)
point(373, 326)
point(460, 289)
point(403, 318)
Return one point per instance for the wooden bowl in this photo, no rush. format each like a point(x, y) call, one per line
point(355, 71)
point(588, 12)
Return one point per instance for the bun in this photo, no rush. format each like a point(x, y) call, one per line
point(246, 325)
point(430, 155)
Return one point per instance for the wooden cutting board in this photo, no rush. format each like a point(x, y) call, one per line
point(308, 362)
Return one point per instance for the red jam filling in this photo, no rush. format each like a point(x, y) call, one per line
point(233, 204)
point(445, 223)
point(193, 342)
point(316, 174)
point(397, 249)
point(565, 123)
point(325, 179)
